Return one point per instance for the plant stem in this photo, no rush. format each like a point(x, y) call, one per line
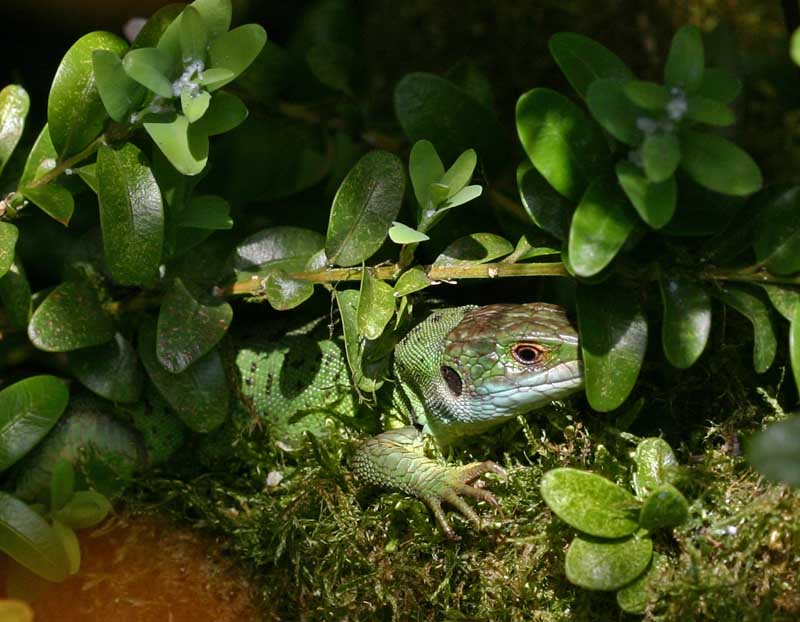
point(69, 162)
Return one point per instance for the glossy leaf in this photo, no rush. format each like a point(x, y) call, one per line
point(86, 509)
point(785, 299)
point(119, 92)
point(777, 229)
point(607, 565)
point(15, 294)
point(151, 68)
point(187, 328)
point(412, 280)
point(28, 539)
point(549, 210)
point(284, 292)
point(661, 154)
point(29, 409)
point(131, 214)
point(75, 112)
point(14, 105)
point(111, 370)
point(686, 60)
point(647, 95)
point(584, 60)
point(709, 111)
point(185, 145)
point(611, 107)
point(206, 212)
point(664, 507)
point(236, 49)
point(686, 324)
point(655, 465)
point(476, 248)
point(655, 203)
point(62, 484)
point(41, 159)
point(775, 452)
point(425, 168)
point(613, 333)
point(720, 84)
point(54, 200)
point(8, 241)
point(225, 112)
point(70, 318)
point(755, 309)
point(564, 145)
point(199, 395)
point(602, 222)
point(364, 207)
point(718, 164)
point(376, 305)
point(69, 542)
point(285, 248)
point(403, 234)
point(590, 503)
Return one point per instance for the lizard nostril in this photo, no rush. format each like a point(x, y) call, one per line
point(452, 379)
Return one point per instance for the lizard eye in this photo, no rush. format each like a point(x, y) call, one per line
point(527, 353)
point(452, 379)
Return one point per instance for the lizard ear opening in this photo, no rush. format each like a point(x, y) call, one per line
point(453, 380)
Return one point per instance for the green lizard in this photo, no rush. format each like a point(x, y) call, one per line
point(457, 373)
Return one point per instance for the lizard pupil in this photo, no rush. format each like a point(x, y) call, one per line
point(526, 353)
point(452, 379)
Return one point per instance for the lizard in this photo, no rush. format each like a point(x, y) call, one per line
point(457, 373)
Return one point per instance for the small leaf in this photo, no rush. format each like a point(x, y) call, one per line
point(86, 509)
point(28, 539)
point(110, 370)
point(119, 92)
point(647, 95)
point(602, 222)
point(285, 293)
point(131, 214)
point(150, 67)
point(14, 105)
point(75, 112)
point(775, 451)
point(664, 507)
point(347, 302)
point(794, 346)
point(62, 484)
point(210, 77)
point(753, 307)
point(661, 154)
point(29, 409)
point(784, 298)
point(655, 465)
point(403, 234)
point(476, 248)
point(225, 112)
point(185, 145)
point(194, 106)
point(54, 200)
point(15, 294)
point(412, 280)
point(206, 212)
point(376, 305)
point(460, 173)
point(611, 107)
point(718, 164)
point(364, 207)
point(709, 111)
point(8, 241)
point(720, 84)
point(655, 203)
point(156, 25)
point(686, 59)
point(236, 49)
point(285, 248)
point(590, 503)
point(777, 229)
point(193, 36)
point(794, 46)
point(613, 333)
point(549, 210)
point(331, 64)
point(607, 565)
point(564, 145)
point(424, 168)
point(583, 60)
point(71, 317)
point(88, 174)
point(633, 598)
point(41, 159)
point(69, 541)
point(188, 328)
point(465, 195)
point(687, 320)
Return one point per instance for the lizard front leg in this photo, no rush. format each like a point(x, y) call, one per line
point(396, 459)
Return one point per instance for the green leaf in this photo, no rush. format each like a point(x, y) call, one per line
point(664, 507)
point(75, 112)
point(150, 67)
point(187, 328)
point(331, 64)
point(156, 25)
point(284, 248)
point(199, 395)
point(720, 84)
point(28, 539)
point(550, 211)
point(709, 111)
point(718, 164)
point(777, 229)
point(655, 465)
point(41, 159)
point(775, 452)
point(131, 214)
point(412, 280)
point(601, 224)
point(613, 333)
point(193, 36)
point(633, 598)
point(185, 145)
point(476, 248)
point(687, 320)
point(118, 92)
point(364, 208)
point(111, 370)
point(376, 305)
point(590, 503)
point(71, 317)
point(403, 234)
point(284, 292)
point(755, 309)
point(206, 212)
point(647, 95)
point(62, 484)
point(661, 154)
point(465, 195)
point(564, 145)
point(194, 106)
point(686, 59)
point(15, 294)
point(216, 15)
point(86, 509)
point(8, 241)
point(14, 104)
point(655, 203)
point(583, 60)
point(607, 565)
point(210, 77)
point(611, 107)
point(347, 302)
point(235, 50)
point(29, 409)
point(460, 173)
point(424, 168)
point(70, 544)
point(794, 46)
point(784, 298)
point(432, 108)
point(88, 174)
point(225, 112)
point(54, 200)
point(794, 346)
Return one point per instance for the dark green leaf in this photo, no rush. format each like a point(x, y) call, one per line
point(70, 318)
point(86, 509)
point(347, 302)
point(111, 370)
point(583, 60)
point(88, 174)
point(777, 230)
point(590, 503)
point(119, 92)
point(634, 597)
point(647, 95)
point(154, 28)
point(661, 154)
point(206, 212)
point(655, 203)
point(775, 452)
point(224, 113)
point(412, 280)
point(376, 305)
point(611, 107)
point(131, 214)
point(468, 75)
point(718, 164)
point(184, 144)
point(655, 465)
point(15, 293)
point(364, 208)
point(785, 299)
point(475, 248)
point(41, 159)
point(284, 292)
point(720, 84)
point(14, 104)
point(54, 200)
point(28, 410)
point(75, 112)
point(331, 64)
point(69, 541)
point(794, 346)
point(151, 68)
point(709, 111)
point(199, 395)
point(8, 240)
point(285, 248)
point(62, 484)
point(607, 565)
point(613, 333)
point(187, 328)
point(564, 145)
point(755, 309)
point(687, 320)
point(686, 59)
point(236, 49)
point(550, 211)
point(664, 507)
